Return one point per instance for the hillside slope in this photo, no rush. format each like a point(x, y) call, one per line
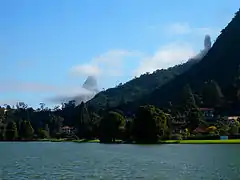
point(221, 64)
point(145, 84)
point(137, 87)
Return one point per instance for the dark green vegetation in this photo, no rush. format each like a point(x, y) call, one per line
point(160, 106)
point(137, 87)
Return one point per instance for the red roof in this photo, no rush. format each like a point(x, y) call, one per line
point(200, 130)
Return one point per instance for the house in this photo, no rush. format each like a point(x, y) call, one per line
point(200, 130)
point(208, 113)
point(232, 119)
point(67, 130)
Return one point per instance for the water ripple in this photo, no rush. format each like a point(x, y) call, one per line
point(39, 161)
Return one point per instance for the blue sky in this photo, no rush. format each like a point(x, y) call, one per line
point(49, 47)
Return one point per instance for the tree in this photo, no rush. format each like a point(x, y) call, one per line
point(128, 129)
point(234, 130)
point(2, 114)
point(188, 100)
point(110, 126)
point(234, 127)
point(2, 131)
point(42, 106)
point(223, 130)
point(55, 124)
point(21, 105)
point(27, 131)
point(46, 128)
point(234, 90)
point(198, 99)
point(11, 131)
point(212, 94)
point(194, 117)
point(43, 133)
point(67, 112)
point(83, 121)
point(150, 122)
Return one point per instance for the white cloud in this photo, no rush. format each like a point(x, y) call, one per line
point(109, 63)
point(178, 28)
point(177, 52)
point(78, 94)
point(166, 56)
point(86, 69)
point(59, 93)
point(184, 28)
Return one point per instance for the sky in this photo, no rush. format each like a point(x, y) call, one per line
point(49, 47)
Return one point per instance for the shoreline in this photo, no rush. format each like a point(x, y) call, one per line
point(228, 141)
point(219, 141)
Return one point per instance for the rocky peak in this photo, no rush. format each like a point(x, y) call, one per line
point(90, 84)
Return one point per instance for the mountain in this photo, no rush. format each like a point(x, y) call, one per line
point(137, 87)
point(146, 83)
point(91, 84)
point(88, 90)
point(220, 64)
point(207, 47)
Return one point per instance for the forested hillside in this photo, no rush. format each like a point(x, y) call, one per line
point(137, 87)
point(221, 65)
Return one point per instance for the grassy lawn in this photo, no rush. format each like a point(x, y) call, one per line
point(86, 141)
point(92, 141)
point(77, 141)
point(229, 141)
point(53, 140)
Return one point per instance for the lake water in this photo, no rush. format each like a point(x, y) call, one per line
point(49, 160)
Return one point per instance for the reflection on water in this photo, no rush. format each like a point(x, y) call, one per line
point(48, 160)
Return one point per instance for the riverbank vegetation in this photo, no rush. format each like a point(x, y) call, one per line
point(148, 125)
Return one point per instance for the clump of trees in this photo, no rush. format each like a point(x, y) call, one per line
point(111, 127)
point(150, 124)
point(24, 123)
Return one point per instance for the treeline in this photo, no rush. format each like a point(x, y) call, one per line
point(25, 123)
point(19, 123)
point(148, 124)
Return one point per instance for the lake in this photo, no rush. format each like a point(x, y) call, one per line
point(63, 160)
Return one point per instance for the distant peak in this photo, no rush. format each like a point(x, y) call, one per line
point(207, 42)
point(90, 83)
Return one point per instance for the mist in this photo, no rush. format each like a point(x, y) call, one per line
point(82, 94)
point(207, 46)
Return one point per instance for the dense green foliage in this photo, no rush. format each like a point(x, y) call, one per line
point(137, 87)
point(111, 126)
point(149, 124)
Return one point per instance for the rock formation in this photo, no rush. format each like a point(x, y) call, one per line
point(207, 45)
point(207, 42)
point(90, 84)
